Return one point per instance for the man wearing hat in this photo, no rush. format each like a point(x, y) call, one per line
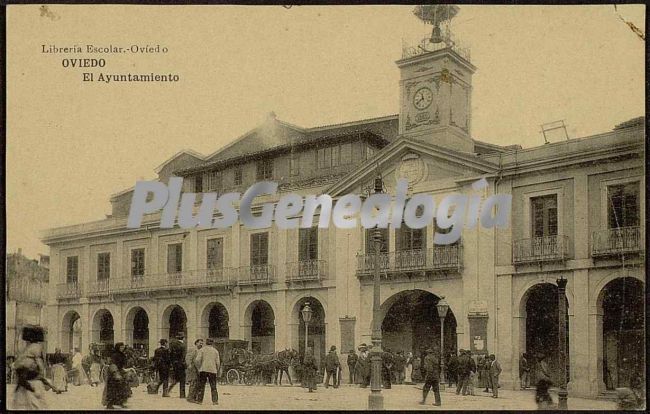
point(161, 362)
point(363, 366)
point(352, 363)
point(177, 351)
point(332, 365)
point(431, 366)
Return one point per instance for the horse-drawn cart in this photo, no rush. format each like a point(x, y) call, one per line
point(235, 361)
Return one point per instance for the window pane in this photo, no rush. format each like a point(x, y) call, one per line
point(137, 262)
point(335, 156)
point(259, 249)
point(370, 245)
point(103, 266)
point(238, 176)
point(308, 244)
point(215, 253)
point(174, 258)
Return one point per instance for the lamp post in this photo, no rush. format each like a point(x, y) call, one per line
point(443, 307)
point(306, 316)
point(375, 399)
point(561, 293)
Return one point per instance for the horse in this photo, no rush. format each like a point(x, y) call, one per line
point(285, 359)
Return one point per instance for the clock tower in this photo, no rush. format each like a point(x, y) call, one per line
point(436, 85)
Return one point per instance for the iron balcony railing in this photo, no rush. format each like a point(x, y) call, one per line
point(68, 290)
point(306, 270)
point(616, 241)
point(256, 275)
point(442, 257)
point(215, 277)
point(540, 249)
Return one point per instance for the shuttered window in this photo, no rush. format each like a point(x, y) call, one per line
point(215, 253)
point(137, 262)
point(623, 205)
point(72, 269)
point(103, 266)
point(544, 215)
point(174, 258)
point(259, 249)
point(308, 244)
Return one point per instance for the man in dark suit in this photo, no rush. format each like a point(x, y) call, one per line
point(177, 351)
point(161, 362)
point(352, 363)
point(431, 366)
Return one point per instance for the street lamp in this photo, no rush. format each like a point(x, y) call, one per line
point(443, 307)
point(375, 399)
point(306, 316)
point(561, 293)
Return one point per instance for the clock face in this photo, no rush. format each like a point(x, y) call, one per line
point(423, 98)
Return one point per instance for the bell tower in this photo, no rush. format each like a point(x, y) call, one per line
point(436, 85)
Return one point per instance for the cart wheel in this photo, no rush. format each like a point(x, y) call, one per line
point(232, 376)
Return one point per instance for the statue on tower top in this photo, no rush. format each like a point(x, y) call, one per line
point(435, 14)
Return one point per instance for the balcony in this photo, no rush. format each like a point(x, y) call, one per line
point(617, 241)
point(256, 275)
point(306, 270)
point(205, 278)
point(70, 290)
point(99, 287)
point(445, 258)
point(540, 249)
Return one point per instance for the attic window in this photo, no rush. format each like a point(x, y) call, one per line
point(238, 179)
point(265, 169)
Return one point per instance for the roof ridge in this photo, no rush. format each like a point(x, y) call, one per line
point(350, 123)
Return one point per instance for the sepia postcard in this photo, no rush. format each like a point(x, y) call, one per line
point(325, 207)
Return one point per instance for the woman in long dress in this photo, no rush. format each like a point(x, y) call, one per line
point(408, 368)
point(95, 369)
point(59, 374)
point(116, 388)
point(77, 368)
point(30, 372)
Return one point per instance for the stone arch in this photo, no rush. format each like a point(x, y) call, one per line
point(620, 331)
point(520, 310)
point(317, 327)
point(259, 321)
point(410, 322)
point(215, 321)
point(102, 330)
point(136, 326)
point(595, 301)
point(539, 327)
point(71, 331)
point(173, 320)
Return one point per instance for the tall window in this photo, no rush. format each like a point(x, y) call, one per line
point(238, 175)
point(370, 244)
point(259, 249)
point(137, 262)
point(215, 253)
point(410, 239)
point(308, 244)
point(293, 164)
point(198, 183)
point(214, 181)
point(72, 269)
point(336, 156)
point(623, 205)
point(265, 169)
point(324, 157)
point(103, 266)
point(544, 215)
point(175, 258)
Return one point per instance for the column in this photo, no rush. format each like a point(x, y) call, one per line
point(579, 334)
point(154, 333)
point(118, 333)
point(86, 327)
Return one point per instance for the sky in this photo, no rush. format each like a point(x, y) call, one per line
point(70, 145)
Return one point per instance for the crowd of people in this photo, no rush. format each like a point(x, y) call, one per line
point(199, 366)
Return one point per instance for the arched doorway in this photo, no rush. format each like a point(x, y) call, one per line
point(316, 328)
point(542, 329)
point(214, 321)
point(174, 321)
point(411, 323)
point(71, 332)
point(102, 333)
point(262, 327)
point(137, 328)
point(622, 303)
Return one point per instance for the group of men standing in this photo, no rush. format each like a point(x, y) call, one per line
point(202, 365)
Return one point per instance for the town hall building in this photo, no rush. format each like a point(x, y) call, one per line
point(578, 213)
